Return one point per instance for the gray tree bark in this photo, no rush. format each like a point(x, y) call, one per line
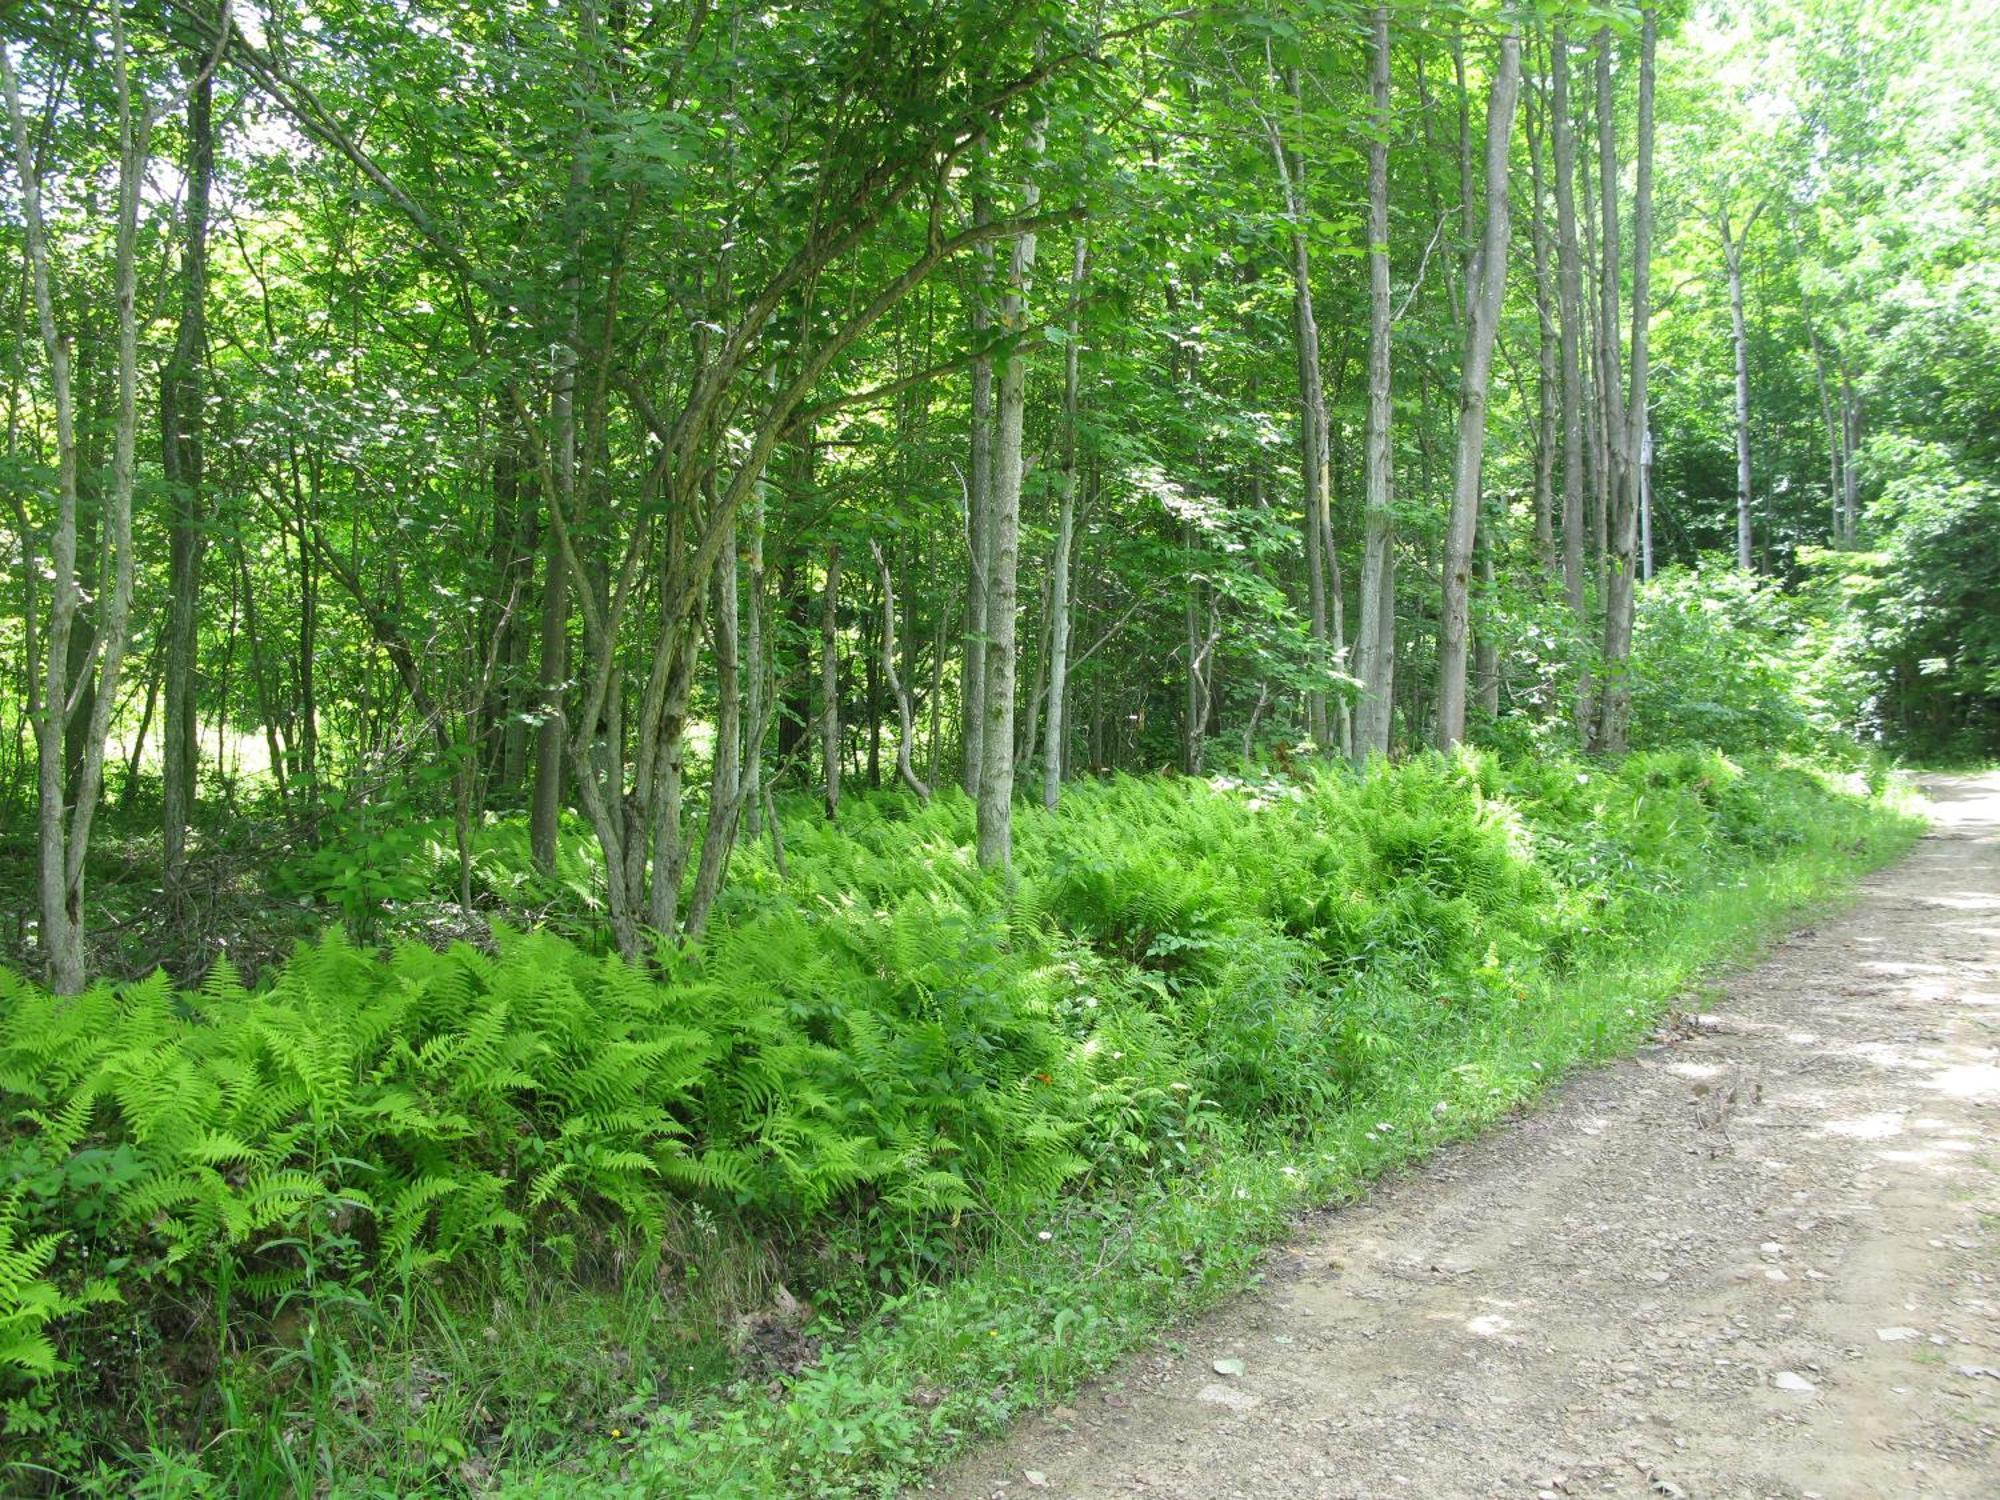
point(1375, 653)
point(181, 396)
point(829, 685)
point(1569, 276)
point(1739, 331)
point(1836, 489)
point(560, 487)
point(725, 788)
point(1486, 650)
point(1488, 284)
point(1057, 734)
point(1313, 457)
point(64, 823)
point(1610, 371)
point(761, 691)
point(1547, 391)
point(978, 514)
point(905, 719)
point(996, 776)
point(1620, 601)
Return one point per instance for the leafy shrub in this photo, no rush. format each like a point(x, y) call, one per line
point(1720, 658)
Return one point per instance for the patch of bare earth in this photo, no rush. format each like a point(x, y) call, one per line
point(1760, 1259)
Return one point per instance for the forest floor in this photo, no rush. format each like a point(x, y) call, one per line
point(1759, 1258)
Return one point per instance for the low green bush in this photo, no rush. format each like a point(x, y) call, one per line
point(870, 1073)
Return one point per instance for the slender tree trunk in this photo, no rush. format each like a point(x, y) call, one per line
point(755, 653)
point(1342, 717)
point(905, 717)
point(1646, 506)
point(934, 751)
point(136, 752)
point(669, 846)
point(725, 788)
point(1547, 392)
point(1569, 276)
point(1843, 535)
point(64, 824)
point(1850, 462)
point(1620, 603)
point(1028, 731)
point(1485, 649)
point(1468, 205)
point(1489, 282)
point(1732, 259)
point(1732, 256)
point(829, 685)
point(978, 515)
point(260, 675)
point(996, 778)
point(1313, 459)
point(308, 665)
point(545, 811)
point(871, 690)
point(181, 425)
point(1375, 647)
point(1611, 377)
point(1059, 586)
point(552, 727)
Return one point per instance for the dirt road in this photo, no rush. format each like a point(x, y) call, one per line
point(1763, 1260)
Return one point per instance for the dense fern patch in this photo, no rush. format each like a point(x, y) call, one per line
point(874, 1067)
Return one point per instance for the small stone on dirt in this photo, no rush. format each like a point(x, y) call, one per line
point(1896, 1335)
point(1229, 1367)
point(1217, 1394)
point(1791, 1380)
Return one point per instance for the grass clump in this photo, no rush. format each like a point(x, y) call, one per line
point(896, 1151)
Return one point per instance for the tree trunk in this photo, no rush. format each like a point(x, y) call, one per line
point(996, 777)
point(1057, 740)
point(755, 651)
point(260, 675)
point(829, 685)
point(1375, 646)
point(181, 464)
point(1619, 605)
point(1610, 375)
point(1547, 392)
point(1569, 276)
point(1646, 505)
point(978, 515)
point(554, 749)
point(1489, 282)
point(905, 718)
point(1485, 650)
point(1732, 258)
point(1850, 463)
point(725, 789)
point(63, 825)
point(1313, 458)
point(669, 846)
point(1843, 535)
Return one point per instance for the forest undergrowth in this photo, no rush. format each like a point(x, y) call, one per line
point(900, 1148)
